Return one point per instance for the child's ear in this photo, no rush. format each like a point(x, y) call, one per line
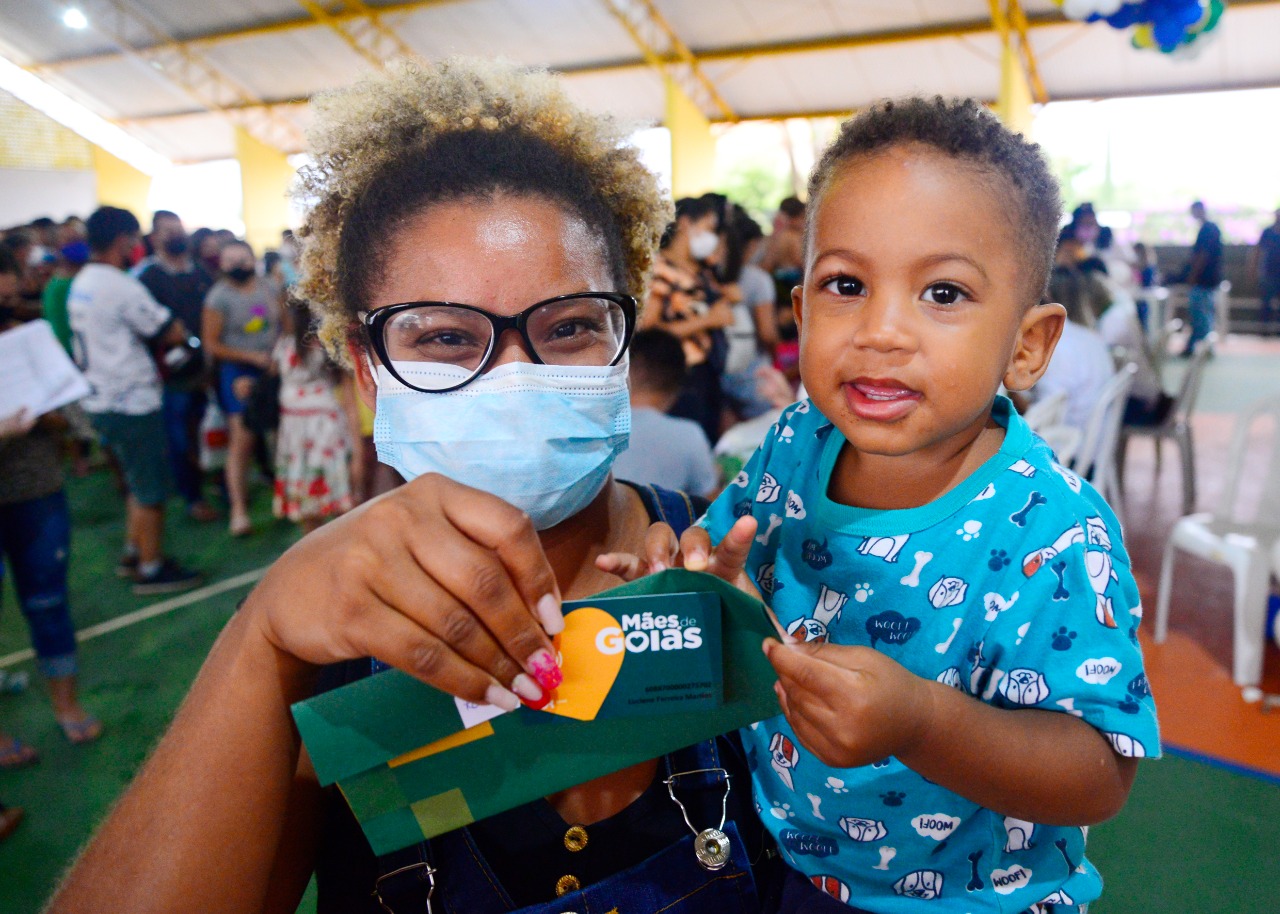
point(797, 304)
point(1037, 336)
point(366, 387)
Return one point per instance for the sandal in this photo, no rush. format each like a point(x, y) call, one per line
point(17, 754)
point(241, 526)
point(85, 730)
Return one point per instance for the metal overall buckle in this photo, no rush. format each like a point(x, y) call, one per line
point(711, 845)
point(428, 872)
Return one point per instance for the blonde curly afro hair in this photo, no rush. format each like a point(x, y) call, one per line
point(418, 134)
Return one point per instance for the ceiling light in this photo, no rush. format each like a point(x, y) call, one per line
point(74, 19)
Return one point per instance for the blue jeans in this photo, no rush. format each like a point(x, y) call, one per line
point(183, 410)
point(1200, 306)
point(35, 535)
point(1268, 293)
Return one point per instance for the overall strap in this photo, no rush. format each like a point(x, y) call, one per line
point(675, 509)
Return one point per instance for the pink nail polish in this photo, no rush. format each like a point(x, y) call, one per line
point(542, 666)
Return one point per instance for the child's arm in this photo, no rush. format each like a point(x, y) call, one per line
point(852, 706)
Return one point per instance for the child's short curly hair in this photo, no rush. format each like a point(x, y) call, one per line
point(965, 129)
point(419, 134)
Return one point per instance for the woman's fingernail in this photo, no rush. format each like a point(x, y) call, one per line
point(659, 566)
point(540, 703)
point(550, 615)
point(526, 688)
point(696, 560)
point(543, 667)
point(499, 697)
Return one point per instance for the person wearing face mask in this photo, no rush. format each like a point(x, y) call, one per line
point(173, 278)
point(475, 249)
point(685, 302)
point(239, 328)
point(206, 248)
point(114, 324)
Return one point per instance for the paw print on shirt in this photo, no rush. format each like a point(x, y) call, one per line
point(999, 560)
point(893, 798)
point(971, 530)
point(782, 811)
point(861, 592)
point(835, 785)
point(1062, 639)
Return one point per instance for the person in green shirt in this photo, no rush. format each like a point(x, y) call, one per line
point(54, 299)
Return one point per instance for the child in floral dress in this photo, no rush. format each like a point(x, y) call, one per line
point(316, 456)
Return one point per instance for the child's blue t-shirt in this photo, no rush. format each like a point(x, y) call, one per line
point(1013, 587)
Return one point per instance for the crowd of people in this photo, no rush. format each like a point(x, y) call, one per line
point(173, 333)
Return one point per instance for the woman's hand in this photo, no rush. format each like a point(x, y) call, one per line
point(438, 579)
point(692, 551)
point(719, 315)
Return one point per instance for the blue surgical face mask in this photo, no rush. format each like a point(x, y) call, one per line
point(540, 437)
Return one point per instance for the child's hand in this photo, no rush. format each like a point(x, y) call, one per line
point(849, 706)
point(693, 551)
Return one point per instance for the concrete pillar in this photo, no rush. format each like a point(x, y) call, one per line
point(1013, 105)
point(265, 177)
point(693, 148)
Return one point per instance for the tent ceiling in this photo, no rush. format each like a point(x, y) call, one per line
point(177, 73)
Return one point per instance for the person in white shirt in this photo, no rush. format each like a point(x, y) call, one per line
point(114, 324)
point(665, 450)
point(1081, 363)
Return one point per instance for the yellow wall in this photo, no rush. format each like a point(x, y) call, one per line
point(265, 177)
point(120, 184)
point(693, 148)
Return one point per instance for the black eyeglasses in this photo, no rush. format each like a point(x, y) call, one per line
point(435, 346)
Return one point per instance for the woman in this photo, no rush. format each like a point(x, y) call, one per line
point(448, 201)
point(240, 324)
point(35, 538)
point(686, 302)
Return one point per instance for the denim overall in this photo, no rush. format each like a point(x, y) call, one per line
point(448, 875)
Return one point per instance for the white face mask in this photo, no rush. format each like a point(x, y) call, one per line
point(540, 437)
point(702, 244)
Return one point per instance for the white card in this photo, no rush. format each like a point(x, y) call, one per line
point(472, 713)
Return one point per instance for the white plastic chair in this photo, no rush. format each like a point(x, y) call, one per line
point(1063, 440)
point(1096, 456)
point(1222, 308)
point(1159, 351)
point(1047, 412)
point(1177, 424)
point(1235, 536)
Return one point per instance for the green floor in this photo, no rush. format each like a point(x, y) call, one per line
point(1193, 838)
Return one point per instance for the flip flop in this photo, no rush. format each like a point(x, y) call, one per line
point(17, 754)
point(81, 731)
